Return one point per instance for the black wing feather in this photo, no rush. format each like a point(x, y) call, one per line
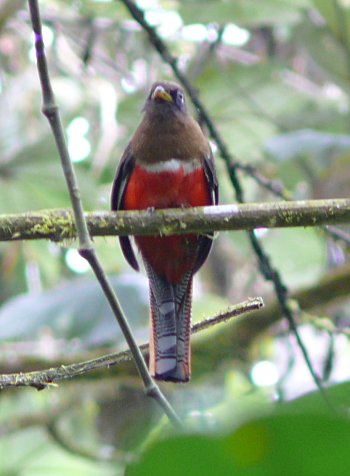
point(207, 241)
point(124, 170)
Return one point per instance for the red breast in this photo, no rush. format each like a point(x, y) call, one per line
point(170, 184)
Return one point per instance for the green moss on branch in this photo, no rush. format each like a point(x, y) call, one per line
point(58, 225)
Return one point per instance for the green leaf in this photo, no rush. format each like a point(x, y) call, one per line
point(32, 179)
point(283, 444)
point(252, 104)
point(77, 309)
point(242, 12)
point(315, 157)
point(337, 15)
point(324, 49)
point(30, 452)
point(314, 402)
point(322, 146)
point(102, 9)
point(299, 254)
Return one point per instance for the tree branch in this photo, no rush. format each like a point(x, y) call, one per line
point(58, 225)
point(43, 378)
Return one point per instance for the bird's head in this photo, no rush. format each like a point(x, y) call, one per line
point(165, 99)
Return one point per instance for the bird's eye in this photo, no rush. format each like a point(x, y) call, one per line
point(180, 99)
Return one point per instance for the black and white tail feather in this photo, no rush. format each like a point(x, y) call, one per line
point(170, 357)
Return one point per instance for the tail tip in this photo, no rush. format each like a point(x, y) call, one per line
point(173, 376)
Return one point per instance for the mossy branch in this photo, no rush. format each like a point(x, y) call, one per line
point(58, 225)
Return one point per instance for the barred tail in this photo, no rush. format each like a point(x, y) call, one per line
point(170, 356)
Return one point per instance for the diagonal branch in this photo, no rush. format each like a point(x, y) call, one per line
point(50, 110)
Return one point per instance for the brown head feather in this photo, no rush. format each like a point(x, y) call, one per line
point(167, 131)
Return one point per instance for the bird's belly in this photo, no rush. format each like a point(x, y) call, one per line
point(174, 185)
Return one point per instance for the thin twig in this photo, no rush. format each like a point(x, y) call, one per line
point(338, 234)
point(252, 304)
point(50, 110)
point(273, 186)
point(43, 378)
point(232, 165)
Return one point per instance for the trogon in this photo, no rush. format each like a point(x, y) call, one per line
point(167, 164)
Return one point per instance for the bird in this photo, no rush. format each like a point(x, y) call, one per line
point(168, 163)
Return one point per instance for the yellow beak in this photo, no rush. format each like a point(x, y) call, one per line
point(160, 94)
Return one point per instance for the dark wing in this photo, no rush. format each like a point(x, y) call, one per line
point(122, 176)
point(207, 240)
point(210, 173)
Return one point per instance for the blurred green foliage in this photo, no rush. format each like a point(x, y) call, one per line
point(292, 444)
point(274, 75)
